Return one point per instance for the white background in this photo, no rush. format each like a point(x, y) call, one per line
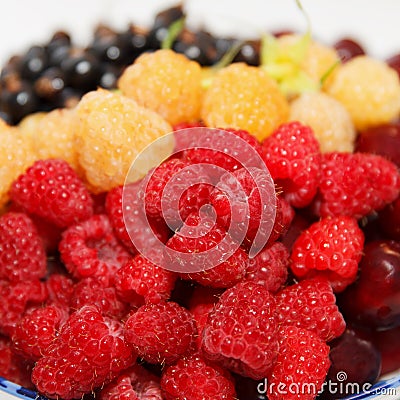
point(374, 22)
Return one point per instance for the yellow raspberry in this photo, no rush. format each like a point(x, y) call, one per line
point(29, 125)
point(328, 118)
point(244, 97)
point(321, 62)
point(53, 135)
point(318, 58)
point(112, 131)
point(16, 155)
point(166, 82)
point(369, 89)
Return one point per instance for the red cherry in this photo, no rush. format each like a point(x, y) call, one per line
point(374, 299)
point(394, 62)
point(371, 227)
point(389, 220)
point(388, 344)
point(348, 48)
point(357, 357)
point(383, 140)
point(283, 32)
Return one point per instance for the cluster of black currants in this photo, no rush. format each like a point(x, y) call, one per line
point(57, 73)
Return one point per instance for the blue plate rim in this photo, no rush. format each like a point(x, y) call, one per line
point(376, 390)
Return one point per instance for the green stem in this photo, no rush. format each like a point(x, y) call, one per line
point(173, 32)
point(229, 56)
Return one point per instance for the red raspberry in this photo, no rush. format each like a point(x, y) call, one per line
point(60, 288)
point(293, 157)
point(88, 352)
point(246, 196)
point(283, 219)
point(301, 366)
point(140, 281)
point(124, 210)
point(155, 182)
point(191, 201)
point(161, 333)
point(91, 249)
point(37, 330)
point(13, 367)
point(48, 232)
point(228, 151)
point(311, 305)
point(183, 140)
point(355, 184)
point(16, 298)
point(330, 248)
point(201, 237)
point(94, 291)
point(136, 383)
point(175, 189)
point(187, 125)
point(195, 378)
point(269, 268)
point(202, 302)
point(241, 330)
point(52, 189)
point(22, 254)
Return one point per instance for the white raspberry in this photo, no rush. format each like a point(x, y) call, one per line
point(328, 118)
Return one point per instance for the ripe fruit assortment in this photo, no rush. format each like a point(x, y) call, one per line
point(91, 307)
